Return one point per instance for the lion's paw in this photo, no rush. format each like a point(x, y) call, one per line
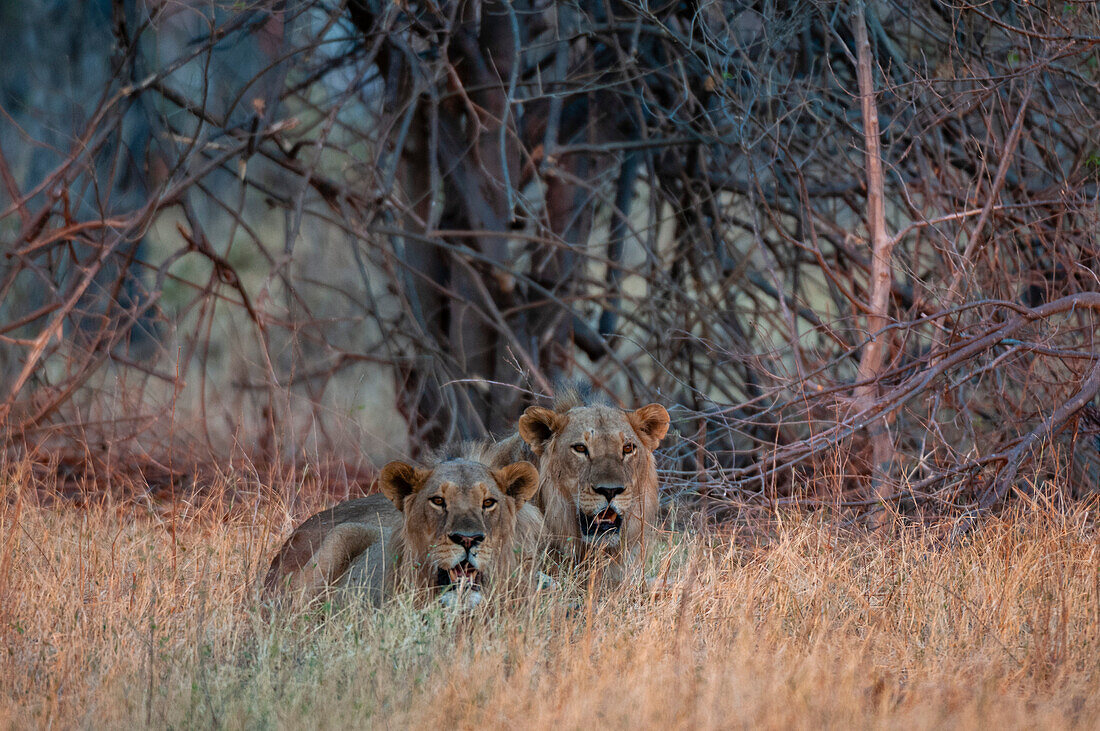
point(461, 601)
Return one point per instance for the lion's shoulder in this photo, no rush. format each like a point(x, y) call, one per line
point(357, 510)
point(353, 524)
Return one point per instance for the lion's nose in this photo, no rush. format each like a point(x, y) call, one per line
point(467, 539)
point(609, 491)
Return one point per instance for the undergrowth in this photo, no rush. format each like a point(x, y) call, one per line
point(123, 614)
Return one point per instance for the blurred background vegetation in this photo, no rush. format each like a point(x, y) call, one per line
point(292, 232)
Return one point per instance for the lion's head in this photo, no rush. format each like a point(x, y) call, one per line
point(598, 475)
point(460, 519)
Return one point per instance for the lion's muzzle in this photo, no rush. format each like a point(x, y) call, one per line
point(467, 539)
point(608, 491)
point(464, 572)
point(461, 585)
point(606, 523)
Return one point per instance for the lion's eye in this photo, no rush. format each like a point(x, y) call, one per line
point(488, 503)
point(437, 501)
point(628, 449)
point(579, 449)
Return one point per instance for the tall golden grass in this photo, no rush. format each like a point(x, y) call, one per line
point(122, 615)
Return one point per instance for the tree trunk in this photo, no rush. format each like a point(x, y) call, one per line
point(876, 351)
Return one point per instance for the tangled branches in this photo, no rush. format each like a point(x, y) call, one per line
point(271, 212)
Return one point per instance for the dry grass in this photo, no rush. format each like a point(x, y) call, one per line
point(117, 616)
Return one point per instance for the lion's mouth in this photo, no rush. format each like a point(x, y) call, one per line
point(462, 573)
point(606, 521)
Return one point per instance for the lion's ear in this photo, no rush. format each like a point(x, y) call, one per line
point(537, 426)
point(519, 481)
point(650, 422)
point(399, 480)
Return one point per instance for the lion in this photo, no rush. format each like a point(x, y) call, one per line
point(597, 475)
point(452, 530)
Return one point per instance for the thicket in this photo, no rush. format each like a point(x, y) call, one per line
point(852, 240)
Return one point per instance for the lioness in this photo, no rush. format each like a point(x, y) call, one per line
point(451, 529)
point(598, 478)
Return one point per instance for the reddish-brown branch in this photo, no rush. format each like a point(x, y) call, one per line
point(876, 351)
